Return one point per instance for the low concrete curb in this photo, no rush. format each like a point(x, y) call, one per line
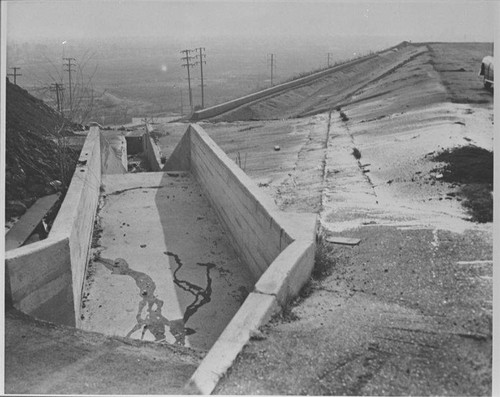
point(278, 247)
point(255, 311)
point(285, 277)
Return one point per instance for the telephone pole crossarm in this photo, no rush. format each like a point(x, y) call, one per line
point(188, 64)
point(15, 74)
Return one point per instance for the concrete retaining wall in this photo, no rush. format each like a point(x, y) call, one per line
point(43, 277)
point(243, 208)
point(278, 247)
point(113, 154)
point(151, 150)
point(38, 275)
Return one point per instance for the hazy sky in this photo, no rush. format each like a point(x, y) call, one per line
point(450, 20)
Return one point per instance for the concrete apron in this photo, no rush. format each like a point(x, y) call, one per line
point(179, 279)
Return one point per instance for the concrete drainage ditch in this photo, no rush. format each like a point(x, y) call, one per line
point(47, 279)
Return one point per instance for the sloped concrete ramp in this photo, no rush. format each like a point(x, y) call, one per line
point(178, 279)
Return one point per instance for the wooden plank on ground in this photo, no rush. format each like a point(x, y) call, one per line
point(343, 240)
point(23, 228)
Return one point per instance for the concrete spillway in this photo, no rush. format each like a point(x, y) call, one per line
point(168, 266)
point(184, 281)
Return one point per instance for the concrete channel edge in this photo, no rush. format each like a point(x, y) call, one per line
point(71, 234)
point(284, 273)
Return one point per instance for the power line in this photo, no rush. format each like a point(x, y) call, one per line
point(272, 58)
point(69, 70)
point(188, 59)
point(201, 60)
point(15, 74)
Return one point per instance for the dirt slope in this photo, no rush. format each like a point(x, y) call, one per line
point(408, 310)
point(32, 158)
point(457, 73)
point(43, 358)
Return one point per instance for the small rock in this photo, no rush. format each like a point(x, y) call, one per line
point(277, 148)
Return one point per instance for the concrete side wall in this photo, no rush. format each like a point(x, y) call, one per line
point(245, 210)
point(113, 155)
point(45, 279)
point(285, 277)
point(278, 247)
point(151, 151)
point(180, 159)
point(76, 215)
point(39, 275)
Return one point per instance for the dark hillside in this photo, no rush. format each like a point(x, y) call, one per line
point(36, 153)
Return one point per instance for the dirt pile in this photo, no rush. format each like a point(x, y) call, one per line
point(472, 168)
point(36, 151)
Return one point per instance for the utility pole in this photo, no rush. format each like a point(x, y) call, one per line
point(201, 60)
point(328, 61)
point(15, 74)
point(57, 88)
point(69, 70)
point(182, 102)
point(273, 64)
point(188, 59)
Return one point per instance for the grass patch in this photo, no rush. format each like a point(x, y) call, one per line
point(472, 167)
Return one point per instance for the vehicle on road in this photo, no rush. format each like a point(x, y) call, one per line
point(487, 71)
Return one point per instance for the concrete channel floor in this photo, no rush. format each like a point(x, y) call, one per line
point(178, 279)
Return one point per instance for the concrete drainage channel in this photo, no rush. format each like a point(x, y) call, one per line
point(46, 279)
